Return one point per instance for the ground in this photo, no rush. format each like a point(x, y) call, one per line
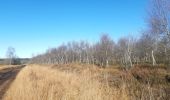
point(7, 75)
point(83, 82)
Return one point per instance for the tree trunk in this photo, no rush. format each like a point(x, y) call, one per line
point(130, 61)
point(153, 59)
point(107, 63)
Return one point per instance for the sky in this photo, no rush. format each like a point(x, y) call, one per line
point(32, 26)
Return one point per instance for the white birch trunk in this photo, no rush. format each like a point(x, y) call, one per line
point(153, 59)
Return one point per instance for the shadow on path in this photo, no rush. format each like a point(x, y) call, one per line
point(7, 76)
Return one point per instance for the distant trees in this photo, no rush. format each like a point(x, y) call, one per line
point(100, 53)
point(104, 51)
point(152, 47)
point(126, 52)
point(11, 56)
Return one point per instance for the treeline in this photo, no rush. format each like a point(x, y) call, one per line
point(127, 51)
point(12, 58)
point(153, 46)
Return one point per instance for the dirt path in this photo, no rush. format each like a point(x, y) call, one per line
point(7, 75)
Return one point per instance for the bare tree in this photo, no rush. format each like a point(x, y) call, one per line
point(159, 17)
point(124, 52)
point(159, 24)
point(10, 54)
point(104, 50)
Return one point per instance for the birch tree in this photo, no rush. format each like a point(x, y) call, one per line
point(159, 24)
point(10, 54)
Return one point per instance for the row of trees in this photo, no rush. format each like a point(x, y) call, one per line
point(81, 52)
point(152, 47)
point(127, 52)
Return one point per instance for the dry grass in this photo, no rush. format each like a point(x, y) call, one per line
point(43, 83)
point(4, 66)
point(74, 82)
point(7, 66)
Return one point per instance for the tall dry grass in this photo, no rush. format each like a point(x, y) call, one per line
point(43, 83)
point(7, 66)
point(71, 82)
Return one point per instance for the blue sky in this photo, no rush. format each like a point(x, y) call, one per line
point(32, 26)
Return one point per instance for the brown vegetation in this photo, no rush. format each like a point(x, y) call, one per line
point(87, 82)
point(84, 71)
point(7, 75)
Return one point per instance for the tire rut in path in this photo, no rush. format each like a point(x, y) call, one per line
point(7, 75)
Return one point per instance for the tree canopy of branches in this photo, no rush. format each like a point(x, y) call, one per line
point(80, 52)
point(153, 46)
point(11, 56)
